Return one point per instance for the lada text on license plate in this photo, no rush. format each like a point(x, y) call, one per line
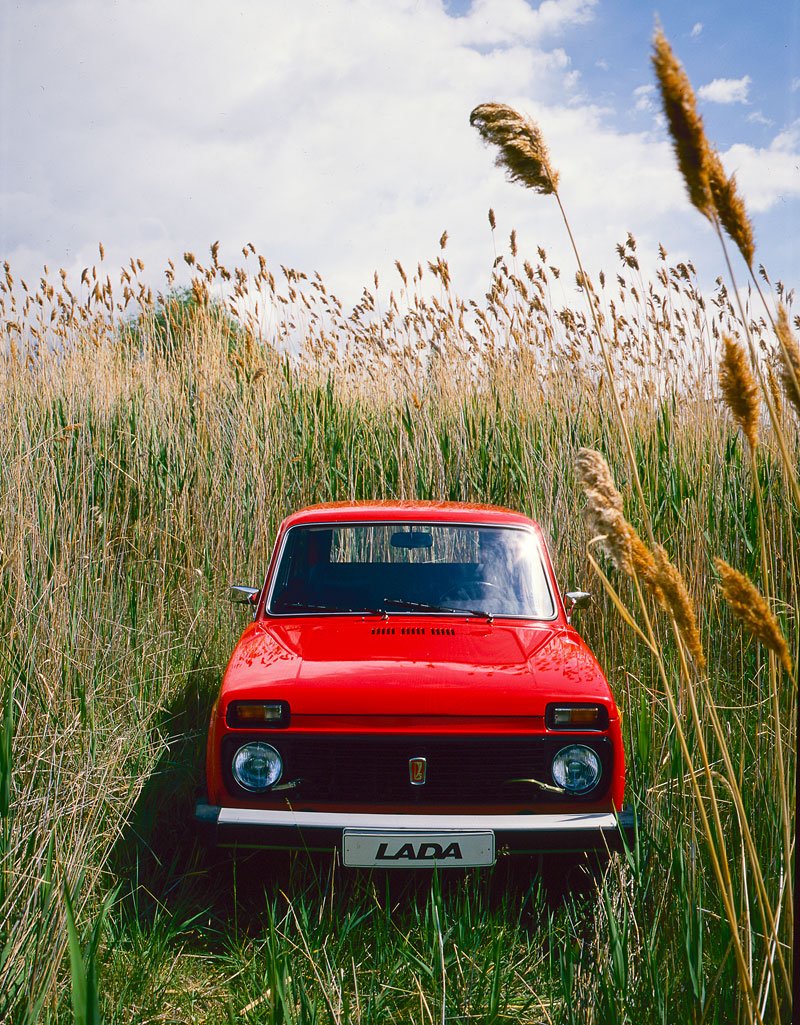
point(403, 849)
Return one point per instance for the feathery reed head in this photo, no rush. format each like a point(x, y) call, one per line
point(604, 519)
point(739, 389)
point(603, 513)
point(775, 391)
point(675, 598)
point(629, 553)
point(749, 605)
point(685, 124)
point(730, 208)
point(644, 566)
point(523, 153)
point(789, 358)
point(594, 474)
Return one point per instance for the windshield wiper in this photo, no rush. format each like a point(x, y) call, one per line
point(318, 607)
point(421, 606)
point(394, 603)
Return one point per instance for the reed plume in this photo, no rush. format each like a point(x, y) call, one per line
point(644, 566)
point(603, 514)
point(619, 540)
point(605, 519)
point(774, 391)
point(748, 604)
point(730, 208)
point(710, 190)
point(789, 359)
point(594, 474)
point(522, 150)
point(675, 598)
point(685, 124)
point(739, 389)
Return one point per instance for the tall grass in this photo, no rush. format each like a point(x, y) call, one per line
point(143, 468)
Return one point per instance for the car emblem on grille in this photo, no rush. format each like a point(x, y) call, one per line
point(417, 771)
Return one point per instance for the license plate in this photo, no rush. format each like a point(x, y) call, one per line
point(402, 849)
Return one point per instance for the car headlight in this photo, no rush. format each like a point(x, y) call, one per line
point(257, 766)
point(577, 769)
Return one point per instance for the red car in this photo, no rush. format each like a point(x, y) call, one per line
point(411, 693)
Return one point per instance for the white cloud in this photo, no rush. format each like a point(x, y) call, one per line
point(768, 175)
point(787, 141)
point(643, 97)
point(795, 85)
point(758, 118)
point(512, 22)
point(334, 135)
point(726, 90)
point(697, 28)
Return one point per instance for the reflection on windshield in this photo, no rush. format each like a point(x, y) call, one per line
point(369, 567)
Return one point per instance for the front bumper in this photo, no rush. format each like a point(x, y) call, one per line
point(323, 831)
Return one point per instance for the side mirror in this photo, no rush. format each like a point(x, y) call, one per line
point(244, 595)
point(576, 600)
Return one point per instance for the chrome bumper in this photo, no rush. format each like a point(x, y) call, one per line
point(322, 831)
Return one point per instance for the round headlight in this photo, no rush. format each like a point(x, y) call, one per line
point(257, 766)
point(577, 769)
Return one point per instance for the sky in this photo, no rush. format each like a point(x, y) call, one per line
point(334, 134)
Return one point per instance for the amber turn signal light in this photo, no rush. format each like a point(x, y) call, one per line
point(258, 714)
point(576, 717)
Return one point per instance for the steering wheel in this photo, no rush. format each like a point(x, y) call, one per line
point(474, 590)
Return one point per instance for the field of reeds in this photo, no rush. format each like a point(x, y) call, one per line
point(152, 443)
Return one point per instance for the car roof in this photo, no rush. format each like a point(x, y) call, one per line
point(446, 512)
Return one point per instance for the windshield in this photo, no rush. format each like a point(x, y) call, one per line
point(418, 567)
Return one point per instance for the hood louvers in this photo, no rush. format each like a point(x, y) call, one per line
point(416, 631)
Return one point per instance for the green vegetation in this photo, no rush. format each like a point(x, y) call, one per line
point(165, 325)
point(137, 481)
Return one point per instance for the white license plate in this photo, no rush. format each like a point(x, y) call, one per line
point(402, 849)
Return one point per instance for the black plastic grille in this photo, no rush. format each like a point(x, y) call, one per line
point(459, 770)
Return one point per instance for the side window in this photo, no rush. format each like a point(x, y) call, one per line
point(303, 554)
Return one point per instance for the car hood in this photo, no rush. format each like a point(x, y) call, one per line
point(413, 666)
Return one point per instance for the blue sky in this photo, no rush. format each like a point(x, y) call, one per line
point(334, 134)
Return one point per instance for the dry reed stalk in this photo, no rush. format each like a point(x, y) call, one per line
point(667, 586)
point(718, 855)
point(748, 605)
point(780, 434)
point(769, 917)
point(742, 396)
point(739, 390)
point(715, 197)
point(677, 601)
point(751, 607)
point(524, 155)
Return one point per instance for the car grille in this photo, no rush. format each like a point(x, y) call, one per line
point(459, 770)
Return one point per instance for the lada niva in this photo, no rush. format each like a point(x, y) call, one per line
point(411, 692)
